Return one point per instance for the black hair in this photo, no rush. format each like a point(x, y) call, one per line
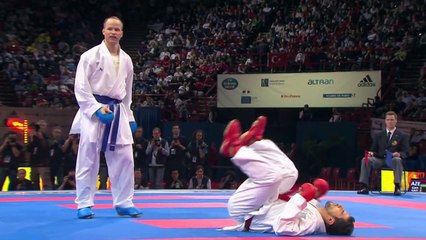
point(341, 226)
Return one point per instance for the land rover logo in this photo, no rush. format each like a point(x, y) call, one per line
point(230, 83)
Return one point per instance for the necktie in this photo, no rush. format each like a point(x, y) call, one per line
point(389, 136)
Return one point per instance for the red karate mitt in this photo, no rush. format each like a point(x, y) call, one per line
point(307, 191)
point(321, 186)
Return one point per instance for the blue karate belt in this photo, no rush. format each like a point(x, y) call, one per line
point(111, 103)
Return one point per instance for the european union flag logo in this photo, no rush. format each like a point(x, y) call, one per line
point(264, 82)
point(245, 100)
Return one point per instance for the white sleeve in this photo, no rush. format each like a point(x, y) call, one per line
point(82, 89)
point(127, 101)
point(293, 221)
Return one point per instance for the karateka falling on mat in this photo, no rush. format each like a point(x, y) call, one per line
point(262, 202)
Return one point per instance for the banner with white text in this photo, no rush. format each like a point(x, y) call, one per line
point(293, 90)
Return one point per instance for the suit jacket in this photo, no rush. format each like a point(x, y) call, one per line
point(398, 143)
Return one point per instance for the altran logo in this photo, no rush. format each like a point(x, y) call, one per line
point(366, 82)
point(320, 82)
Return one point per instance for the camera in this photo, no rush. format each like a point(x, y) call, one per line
point(12, 140)
point(36, 127)
point(157, 142)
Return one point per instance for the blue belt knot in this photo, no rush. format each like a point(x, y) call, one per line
point(111, 103)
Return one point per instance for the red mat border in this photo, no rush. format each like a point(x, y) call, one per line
point(158, 205)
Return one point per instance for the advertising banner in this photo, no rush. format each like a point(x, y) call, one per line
point(293, 90)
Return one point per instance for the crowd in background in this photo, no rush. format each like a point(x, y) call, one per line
point(172, 162)
point(186, 44)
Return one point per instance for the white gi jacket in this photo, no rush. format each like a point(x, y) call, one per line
point(96, 75)
point(293, 218)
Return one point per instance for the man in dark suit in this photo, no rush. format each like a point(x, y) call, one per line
point(389, 148)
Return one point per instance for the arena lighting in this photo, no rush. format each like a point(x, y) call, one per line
point(15, 123)
point(19, 125)
point(25, 131)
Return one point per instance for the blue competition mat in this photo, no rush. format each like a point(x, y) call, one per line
point(179, 215)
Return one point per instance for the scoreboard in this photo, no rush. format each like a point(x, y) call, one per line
point(417, 185)
point(413, 182)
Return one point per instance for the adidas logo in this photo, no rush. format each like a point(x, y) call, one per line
point(366, 82)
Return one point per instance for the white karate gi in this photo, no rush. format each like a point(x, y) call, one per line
point(96, 75)
point(271, 173)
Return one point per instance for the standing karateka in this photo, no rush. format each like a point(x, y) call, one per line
point(260, 203)
point(103, 88)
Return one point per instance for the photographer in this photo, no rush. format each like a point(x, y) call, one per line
point(38, 149)
point(68, 183)
point(197, 151)
point(177, 155)
point(56, 156)
point(139, 154)
point(10, 153)
point(70, 150)
point(228, 181)
point(157, 152)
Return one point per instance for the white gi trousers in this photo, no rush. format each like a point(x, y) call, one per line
point(270, 173)
point(120, 168)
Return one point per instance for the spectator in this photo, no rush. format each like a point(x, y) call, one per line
point(178, 149)
point(70, 150)
point(21, 183)
point(140, 182)
point(103, 172)
point(175, 182)
point(335, 116)
point(200, 181)
point(10, 154)
point(39, 157)
point(68, 183)
point(228, 181)
point(157, 153)
point(140, 145)
point(422, 77)
point(181, 108)
point(305, 114)
point(197, 151)
point(56, 156)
